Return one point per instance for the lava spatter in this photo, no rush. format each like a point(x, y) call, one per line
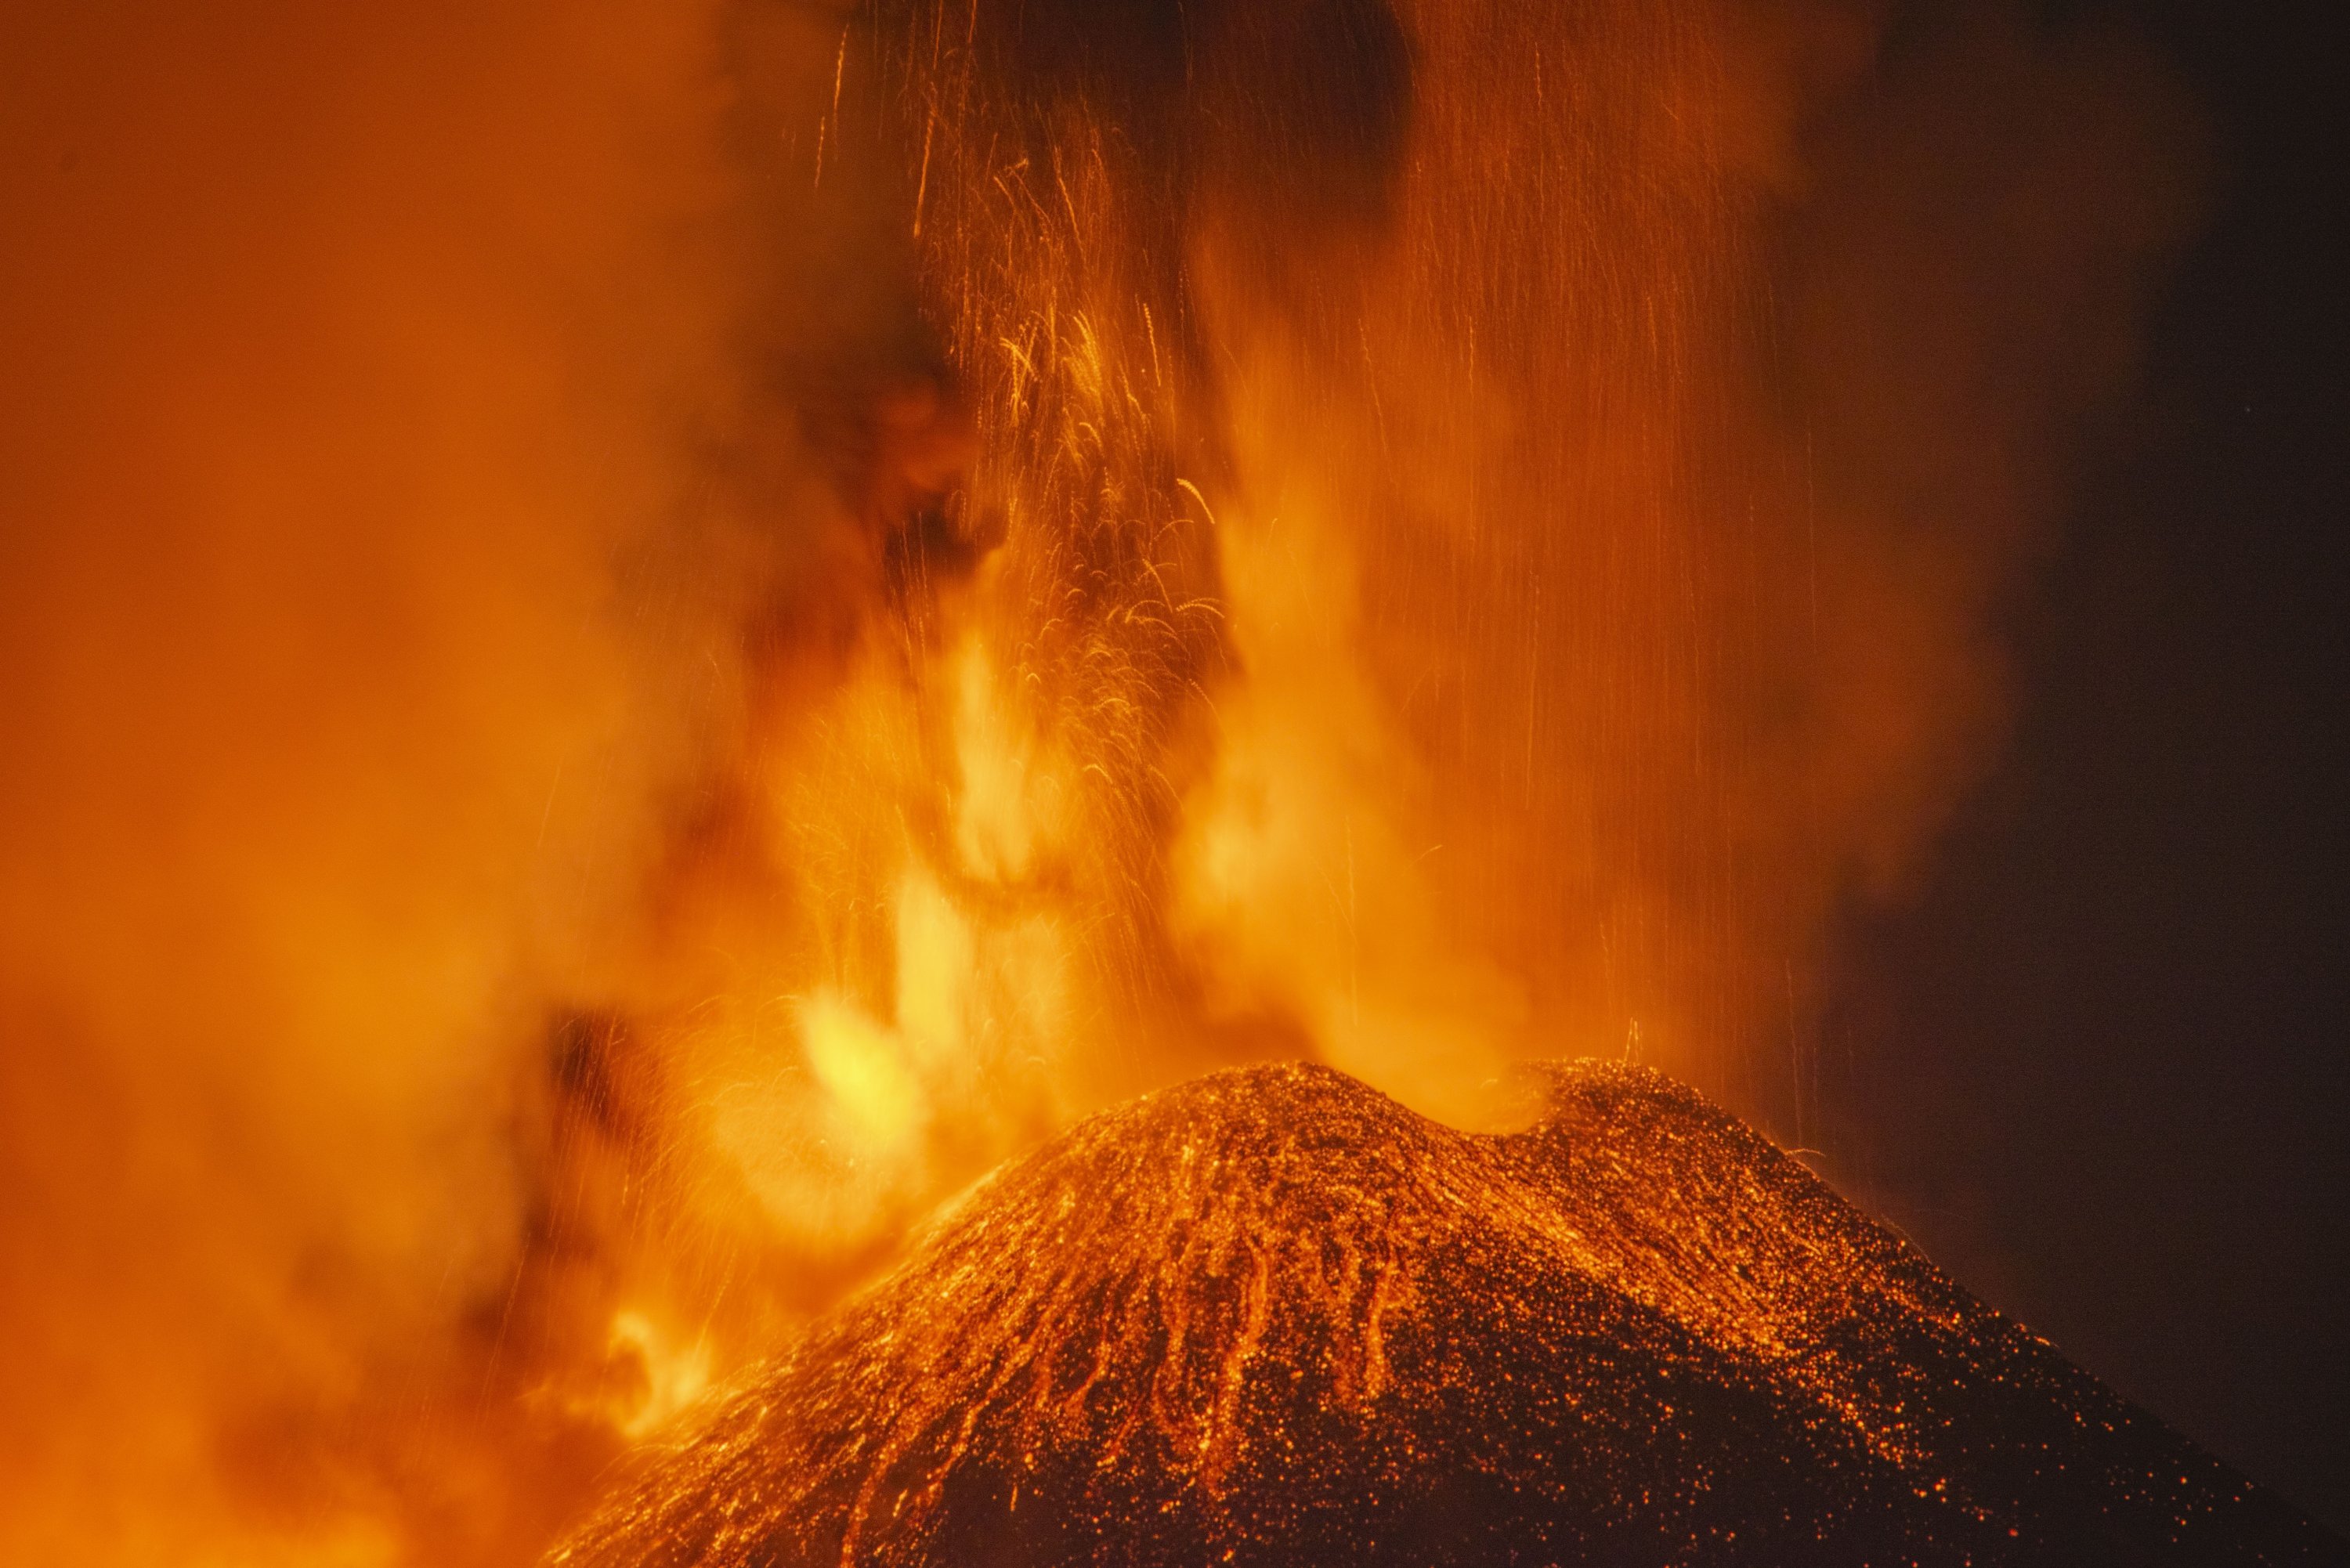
point(1272, 1316)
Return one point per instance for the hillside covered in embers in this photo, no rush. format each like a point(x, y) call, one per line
point(1272, 1316)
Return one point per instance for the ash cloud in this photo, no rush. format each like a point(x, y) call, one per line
point(490, 507)
point(1715, 372)
point(386, 468)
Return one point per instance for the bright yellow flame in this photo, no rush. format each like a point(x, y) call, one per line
point(675, 1374)
point(937, 956)
point(861, 1066)
point(1300, 869)
point(1004, 805)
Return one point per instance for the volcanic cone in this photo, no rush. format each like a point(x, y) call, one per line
point(1273, 1317)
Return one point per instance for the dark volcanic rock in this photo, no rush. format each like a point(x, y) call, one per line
point(1273, 1317)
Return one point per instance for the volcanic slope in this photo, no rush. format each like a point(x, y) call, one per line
point(1273, 1317)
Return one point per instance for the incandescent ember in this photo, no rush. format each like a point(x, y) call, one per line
point(1272, 1317)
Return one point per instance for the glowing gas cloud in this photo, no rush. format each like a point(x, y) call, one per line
point(635, 639)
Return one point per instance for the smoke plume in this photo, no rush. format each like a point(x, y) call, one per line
point(634, 639)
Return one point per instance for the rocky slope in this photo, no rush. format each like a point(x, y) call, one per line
point(1273, 1317)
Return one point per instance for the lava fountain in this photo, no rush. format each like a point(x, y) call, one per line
point(649, 637)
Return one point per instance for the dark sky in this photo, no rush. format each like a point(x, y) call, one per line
point(2099, 1068)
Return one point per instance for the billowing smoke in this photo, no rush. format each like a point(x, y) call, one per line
point(1614, 537)
point(634, 639)
point(389, 459)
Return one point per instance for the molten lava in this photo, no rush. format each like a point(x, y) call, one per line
point(640, 636)
point(1272, 1316)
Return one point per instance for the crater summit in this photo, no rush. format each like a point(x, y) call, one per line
point(1272, 1317)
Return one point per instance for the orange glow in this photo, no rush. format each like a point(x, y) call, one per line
point(1269, 1316)
point(670, 1377)
point(639, 639)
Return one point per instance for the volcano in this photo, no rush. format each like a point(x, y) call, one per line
point(1272, 1316)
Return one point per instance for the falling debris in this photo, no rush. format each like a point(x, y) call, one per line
point(1272, 1317)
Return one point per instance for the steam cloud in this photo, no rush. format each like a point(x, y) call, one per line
point(635, 638)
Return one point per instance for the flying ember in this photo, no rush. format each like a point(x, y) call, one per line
point(690, 626)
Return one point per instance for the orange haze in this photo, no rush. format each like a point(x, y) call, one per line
point(634, 639)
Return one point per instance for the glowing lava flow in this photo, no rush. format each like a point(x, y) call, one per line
point(1271, 1317)
point(647, 634)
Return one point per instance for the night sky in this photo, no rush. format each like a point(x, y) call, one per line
point(2098, 1068)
